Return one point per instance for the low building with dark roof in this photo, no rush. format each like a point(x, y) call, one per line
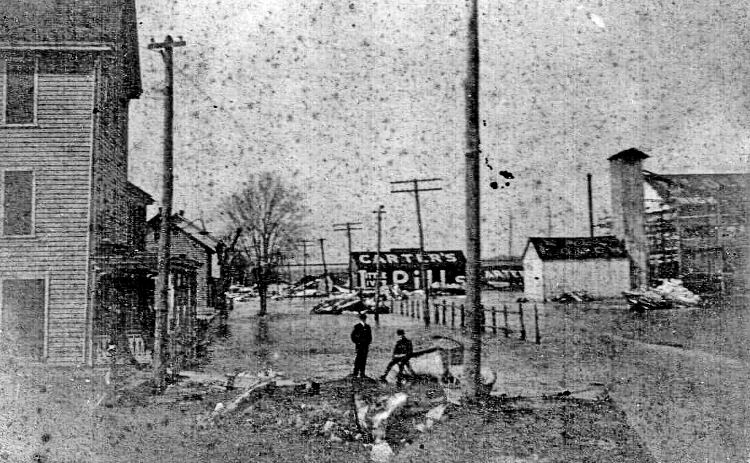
point(599, 267)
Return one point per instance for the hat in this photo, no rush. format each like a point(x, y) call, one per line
point(400, 332)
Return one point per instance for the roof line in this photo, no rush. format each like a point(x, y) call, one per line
point(66, 46)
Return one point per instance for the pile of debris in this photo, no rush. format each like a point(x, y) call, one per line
point(350, 302)
point(573, 296)
point(369, 413)
point(670, 294)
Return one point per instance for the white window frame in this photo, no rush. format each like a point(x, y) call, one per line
point(44, 276)
point(2, 202)
point(3, 115)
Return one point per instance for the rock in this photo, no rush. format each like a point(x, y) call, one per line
point(421, 427)
point(381, 452)
point(335, 438)
point(328, 426)
point(435, 414)
point(452, 395)
point(219, 407)
point(362, 409)
point(392, 404)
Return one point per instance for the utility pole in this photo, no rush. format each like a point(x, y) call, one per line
point(591, 206)
point(415, 189)
point(379, 211)
point(473, 243)
point(304, 244)
point(348, 227)
point(159, 365)
point(323, 258)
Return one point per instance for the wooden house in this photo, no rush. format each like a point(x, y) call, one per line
point(599, 267)
point(74, 273)
point(195, 243)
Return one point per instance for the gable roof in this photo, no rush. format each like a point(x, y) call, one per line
point(197, 234)
point(138, 194)
point(727, 190)
point(578, 248)
point(73, 23)
point(629, 155)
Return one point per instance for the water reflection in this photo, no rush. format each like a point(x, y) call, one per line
point(262, 341)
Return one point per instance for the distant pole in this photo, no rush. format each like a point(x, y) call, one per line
point(549, 215)
point(379, 211)
point(348, 227)
point(323, 258)
point(159, 364)
point(422, 271)
point(473, 243)
point(304, 270)
point(591, 206)
point(510, 234)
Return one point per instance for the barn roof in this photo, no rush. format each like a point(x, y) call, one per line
point(74, 23)
point(683, 189)
point(599, 247)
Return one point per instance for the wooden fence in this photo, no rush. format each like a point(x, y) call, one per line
point(453, 315)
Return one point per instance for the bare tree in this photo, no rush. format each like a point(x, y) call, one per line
point(271, 214)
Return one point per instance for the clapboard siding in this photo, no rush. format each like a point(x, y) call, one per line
point(183, 244)
point(58, 150)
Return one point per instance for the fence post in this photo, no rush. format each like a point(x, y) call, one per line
point(453, 314)
point(494, 320)
point(536, 324)
point(505, 320)
point(484, 318)
point(520, 316)
point(444, 307)
point(463, 316)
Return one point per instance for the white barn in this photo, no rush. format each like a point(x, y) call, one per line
point(598, 266)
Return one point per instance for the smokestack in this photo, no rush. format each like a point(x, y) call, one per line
point(591, 206)
point(628, 210)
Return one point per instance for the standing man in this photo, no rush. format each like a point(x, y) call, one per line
point(361, 337)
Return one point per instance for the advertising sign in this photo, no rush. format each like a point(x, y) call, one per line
point(402, 268)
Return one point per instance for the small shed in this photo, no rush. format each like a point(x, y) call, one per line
point(598, 266)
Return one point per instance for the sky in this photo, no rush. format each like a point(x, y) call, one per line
point(342, 97)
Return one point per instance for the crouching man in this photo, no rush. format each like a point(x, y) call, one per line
point(401, 354)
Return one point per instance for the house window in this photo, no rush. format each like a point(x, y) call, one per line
point(18, 203)
point(20, 91)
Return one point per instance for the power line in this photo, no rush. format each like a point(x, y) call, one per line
point(416, 189)
point(348, 227)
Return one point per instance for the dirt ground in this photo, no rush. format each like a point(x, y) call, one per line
point(50, 414)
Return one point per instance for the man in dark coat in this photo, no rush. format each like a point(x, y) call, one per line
point(401, 354)
point(361, 337)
